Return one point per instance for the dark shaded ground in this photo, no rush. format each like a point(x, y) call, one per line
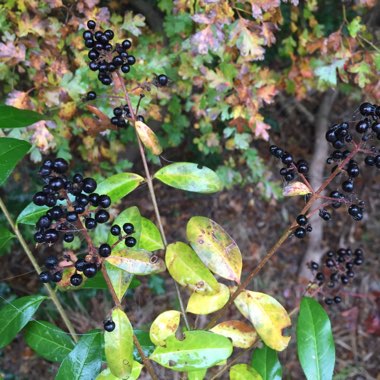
point(255, 225)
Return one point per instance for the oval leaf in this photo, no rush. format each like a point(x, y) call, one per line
point(215, 247)
point(120, 280)
point(107, 374)
point(295, 189)
point(150, 239)
point(129, 215)
point(190, 177)
point(315, 342)
point(11, 152)
point(48, 341)
point(267, 315)
point(197, 375)
point(85, 360)
point(243, 372)
point(15, 315)
point(199, 349)
point(31, 214)
point(135, 261)
point(5, 237)
point(119, 345)
point(119, 185)
point(241, 334)
point(12, 117)
point(148, 138)
point(188, 270)
point(203, 304)
point(265, 362)
point(165, 325)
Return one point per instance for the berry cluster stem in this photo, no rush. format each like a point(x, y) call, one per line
point(153, 195)
point(316, 195)
point(37, 268)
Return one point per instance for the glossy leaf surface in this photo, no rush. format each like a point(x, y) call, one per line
point(135, 261)
point(241, 334)
point(148, 138)
point(190, 177)
point(135, 374)
point(199, 349)
point(5, 237)
point(129, 215)
point(48, 340)
point(244, 372)
point(315, 342)
point(119, 185)
point(12, 117)
point(15, 315)
point(188, 270)
point(120, 279)
point(265, 362)
point(145, 343)
point(215, 247)
point(31, 214)
point(267, 315)
point(197, 375)
point(85, 360)
point(118, 345)
point(11, 152)
point(165, 325)
point(150, 239)
point(202, 304)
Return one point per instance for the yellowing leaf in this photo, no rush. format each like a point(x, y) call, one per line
point(241, 334)
point(295, 188)
point(244, 372)
point(106, 374)
point(267, 315)
point(203, 304)
point(163, 326)
point(148, 138)
point(135, 261)
point(118, 345)
point(215, 247)
point(188, 270)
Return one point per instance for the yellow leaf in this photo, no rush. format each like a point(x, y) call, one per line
point(203, 304)
point(148, 138)
point(267, 315)
point(244, 372)
point(241, 334)
point(165, 325)
point(295, 188)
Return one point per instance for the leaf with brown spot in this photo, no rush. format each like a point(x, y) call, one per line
point(267, 315)
point(295, 188)
point(215, 247)
point(165, 325)
point(241, 334)
point(99, 124)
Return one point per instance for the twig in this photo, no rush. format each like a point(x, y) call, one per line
point(145, 360)
point(37, 268)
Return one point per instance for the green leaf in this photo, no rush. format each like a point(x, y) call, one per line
point(265, 362)
point(120, 280)
point(119, 185)
point(5, 236)
point(188, 270)
point(145, 343)
point(11, 152)
point(244, 372)
point(136, 261)
point(165, 325)
point(48, 341)
point(11, 117)
point(15, 315)
point(190, 177)
point(135, 374)
point(129, 215)
point(198, 349)
point(85, 360)
point(150, 239)
point(31, 214)
point(327, 73)
point(315, 342)
point(119, 345)
point(215, 247)
point(355, 26)
point(267, 315)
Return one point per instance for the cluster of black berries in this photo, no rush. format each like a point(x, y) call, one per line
point(303, 226)
point(121, 115)
point(105, 57)
point(338, 269)
point(129, 229)
point(290, 171)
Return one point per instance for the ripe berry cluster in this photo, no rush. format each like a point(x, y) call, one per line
point(337, 269)
point(303, 226)
point(129, 229)
point(121, 115)
point(290, 171)
point(105, 57)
